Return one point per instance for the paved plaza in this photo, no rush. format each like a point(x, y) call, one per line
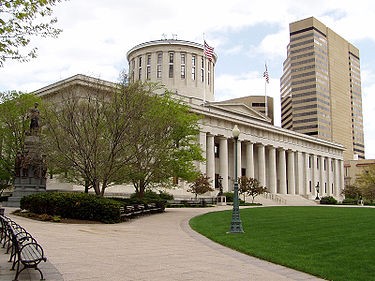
point(156, 247)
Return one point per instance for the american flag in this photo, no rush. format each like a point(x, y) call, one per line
point(208, 51)
point(265, 74)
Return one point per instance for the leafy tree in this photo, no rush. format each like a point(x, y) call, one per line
point(366, 183)
point(166, 145)
point(251, 187)
point(200, 185)
point(22, 20)
point(14, 123)
point(352, 192)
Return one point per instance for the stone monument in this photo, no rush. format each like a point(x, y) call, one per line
point(30, 164)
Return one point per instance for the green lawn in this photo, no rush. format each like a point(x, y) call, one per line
point(329, 242)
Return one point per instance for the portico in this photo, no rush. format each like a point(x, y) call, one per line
point(284, 161)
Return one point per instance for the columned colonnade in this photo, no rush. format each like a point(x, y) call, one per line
point(287, 166)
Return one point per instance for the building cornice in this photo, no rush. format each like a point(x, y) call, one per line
point(166, 42)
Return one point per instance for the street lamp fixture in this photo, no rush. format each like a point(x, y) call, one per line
point(317, 191)
point(236, 224)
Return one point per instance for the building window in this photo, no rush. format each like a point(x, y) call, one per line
point(218, 180)
point(202, 69)
point(317, 163)
point(310, 186)
point(183, 66)
point(208, 72)
point(133, 70)
point(171, 61)
point(159, 65)
point(309, 161)
point(325, 164)
point(193, 65)
point(217, 150)
point(139, 68)
point(243, 172)
point(148, 67)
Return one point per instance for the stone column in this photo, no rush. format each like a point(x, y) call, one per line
point(341, 178)
point(291, 173)
point(282, 171)
point(321, 177)
point(239, 162)
point(314, 175)
point(249, 160)
point(223, 162)
point(272, 176)
point(203, 144)
point(300, 174)
point(210, 152)
point(262, 164)
point(336, 177)
point(307, 174)
point(328, 174)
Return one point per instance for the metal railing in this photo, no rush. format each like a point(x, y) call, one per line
point(274, 197)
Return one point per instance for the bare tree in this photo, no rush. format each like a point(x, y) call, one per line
point(88, 134)
point(125, 134)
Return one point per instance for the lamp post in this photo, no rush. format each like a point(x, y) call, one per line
point(236, 224)
point(317, 191)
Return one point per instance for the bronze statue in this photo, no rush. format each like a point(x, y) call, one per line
point(34, 119)
point(18, 164)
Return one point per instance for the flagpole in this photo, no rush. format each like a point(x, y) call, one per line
point(204, 73)
point(265, 92)
point(265, 98)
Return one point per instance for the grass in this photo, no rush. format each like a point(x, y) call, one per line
point(328, 242)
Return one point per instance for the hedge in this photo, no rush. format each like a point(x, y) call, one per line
point(73, 205)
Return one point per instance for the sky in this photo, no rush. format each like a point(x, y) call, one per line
point(246, 34)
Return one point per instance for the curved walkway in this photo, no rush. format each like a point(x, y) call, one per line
point(157, 247)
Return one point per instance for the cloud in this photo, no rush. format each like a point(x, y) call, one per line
point(97, 34)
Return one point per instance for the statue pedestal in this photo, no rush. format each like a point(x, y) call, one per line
point(24, 186)
point(221, 201)
point(30, 172)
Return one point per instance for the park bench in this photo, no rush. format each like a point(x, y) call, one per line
point(131, 211)
point(24, 250)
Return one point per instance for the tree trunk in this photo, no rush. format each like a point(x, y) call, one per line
point(87, 186)
point(104, 186)
point(141, 186)
point(95, 184)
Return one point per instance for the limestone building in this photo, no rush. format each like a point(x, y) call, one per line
point(285, 161)
point(321, 87)
point(353, 168)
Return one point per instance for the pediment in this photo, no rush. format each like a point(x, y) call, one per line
point(241, 109)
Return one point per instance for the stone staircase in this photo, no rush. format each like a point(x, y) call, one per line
point(282, 200)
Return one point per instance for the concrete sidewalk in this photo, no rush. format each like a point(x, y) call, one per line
point(156, 247)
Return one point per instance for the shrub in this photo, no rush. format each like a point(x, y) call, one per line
point(350, 201)
point(150, 197)
point(165, 195)
point(73, 205)
point(229, 196)
point(329, 200)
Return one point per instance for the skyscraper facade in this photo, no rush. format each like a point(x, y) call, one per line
point(321, 87)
